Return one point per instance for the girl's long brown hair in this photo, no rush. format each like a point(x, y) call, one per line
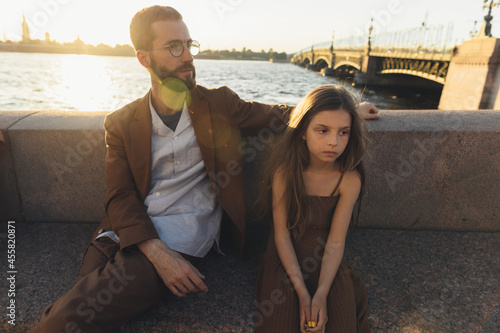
point(291, 156)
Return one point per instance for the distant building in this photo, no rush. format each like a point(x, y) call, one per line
point(26, 30)
point(78, 41)
point(47, 37)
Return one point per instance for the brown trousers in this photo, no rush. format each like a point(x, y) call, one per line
point(113, 287)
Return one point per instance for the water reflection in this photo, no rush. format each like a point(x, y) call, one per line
point(83, 82)
point(30, 81)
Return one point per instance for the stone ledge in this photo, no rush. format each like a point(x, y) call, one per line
point(417, 281)
point(436, 170)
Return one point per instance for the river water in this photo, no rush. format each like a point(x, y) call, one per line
point(35, 81)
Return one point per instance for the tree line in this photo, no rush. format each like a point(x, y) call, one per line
point(247, 54)
point(128, 50)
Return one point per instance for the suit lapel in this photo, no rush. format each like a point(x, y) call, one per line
point(202, 125)
point(140, 143)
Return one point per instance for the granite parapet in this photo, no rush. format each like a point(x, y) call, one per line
point(426, 169)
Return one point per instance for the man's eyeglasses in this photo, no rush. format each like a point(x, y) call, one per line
point(176, 47)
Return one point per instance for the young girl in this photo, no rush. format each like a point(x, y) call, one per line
point(316, 175)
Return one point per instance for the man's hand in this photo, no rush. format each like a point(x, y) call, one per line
point(368, 111)
point(176, 272)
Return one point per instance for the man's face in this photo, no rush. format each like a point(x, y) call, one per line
point(163, 63)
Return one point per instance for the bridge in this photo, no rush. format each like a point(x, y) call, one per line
point(432, 66)
point(468, 74)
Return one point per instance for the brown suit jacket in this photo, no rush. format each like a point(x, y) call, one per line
point(218, 117)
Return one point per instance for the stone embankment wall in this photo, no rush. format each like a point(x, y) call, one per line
point(425, 169)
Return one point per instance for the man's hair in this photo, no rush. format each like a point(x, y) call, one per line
point(141, 33)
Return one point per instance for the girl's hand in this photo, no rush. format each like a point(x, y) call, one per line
point(318, 313)
point(305, 312)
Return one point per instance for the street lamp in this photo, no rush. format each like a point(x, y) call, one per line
point(333, 38)
point(473, 32)
point(488, 18)
point(370, 36)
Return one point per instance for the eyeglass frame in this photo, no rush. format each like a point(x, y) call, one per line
point(184, 46)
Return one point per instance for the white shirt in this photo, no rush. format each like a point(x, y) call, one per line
point(181, 201)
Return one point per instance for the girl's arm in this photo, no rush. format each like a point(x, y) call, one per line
point(285, 248)
point(334, 248)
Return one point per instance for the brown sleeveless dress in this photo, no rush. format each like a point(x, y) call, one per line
point(277, 304)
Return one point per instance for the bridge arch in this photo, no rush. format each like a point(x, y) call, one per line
point(426, 76)
point(434, 70)
point(321, 63)
point(347, 64)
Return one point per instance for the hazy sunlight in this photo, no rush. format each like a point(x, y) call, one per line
point(85, 82)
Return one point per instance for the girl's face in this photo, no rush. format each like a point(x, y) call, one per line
point(327, 136)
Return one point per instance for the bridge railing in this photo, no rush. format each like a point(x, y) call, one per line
point(353, 42)
point(420, 40)
point(314, 46)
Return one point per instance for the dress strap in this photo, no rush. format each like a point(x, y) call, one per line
point(338, 184)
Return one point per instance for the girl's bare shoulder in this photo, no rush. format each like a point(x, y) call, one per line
point(351, 182)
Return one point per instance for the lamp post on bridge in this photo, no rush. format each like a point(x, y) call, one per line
point(366, 73)
point(473, 32)
point(481, 53)
point(488, 18)
point(333, 38)
point(311, 65)
point(370, 37)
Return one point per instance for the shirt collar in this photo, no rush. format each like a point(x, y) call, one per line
point(160, 128)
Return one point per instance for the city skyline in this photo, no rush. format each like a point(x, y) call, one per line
point(227, 24)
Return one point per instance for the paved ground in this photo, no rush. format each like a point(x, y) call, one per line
point(417, 281)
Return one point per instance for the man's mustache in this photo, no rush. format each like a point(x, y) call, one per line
point(186, 66)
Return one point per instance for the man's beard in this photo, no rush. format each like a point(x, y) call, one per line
point(162, 73)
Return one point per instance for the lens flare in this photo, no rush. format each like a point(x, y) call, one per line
point(173, 93)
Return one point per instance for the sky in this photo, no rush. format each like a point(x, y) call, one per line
point(284, 25)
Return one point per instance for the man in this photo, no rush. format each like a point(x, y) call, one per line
point(164, 203)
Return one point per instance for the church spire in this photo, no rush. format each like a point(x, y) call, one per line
point(26, 30)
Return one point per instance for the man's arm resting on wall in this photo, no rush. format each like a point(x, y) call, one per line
point(255, 115)
point(368, 111)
